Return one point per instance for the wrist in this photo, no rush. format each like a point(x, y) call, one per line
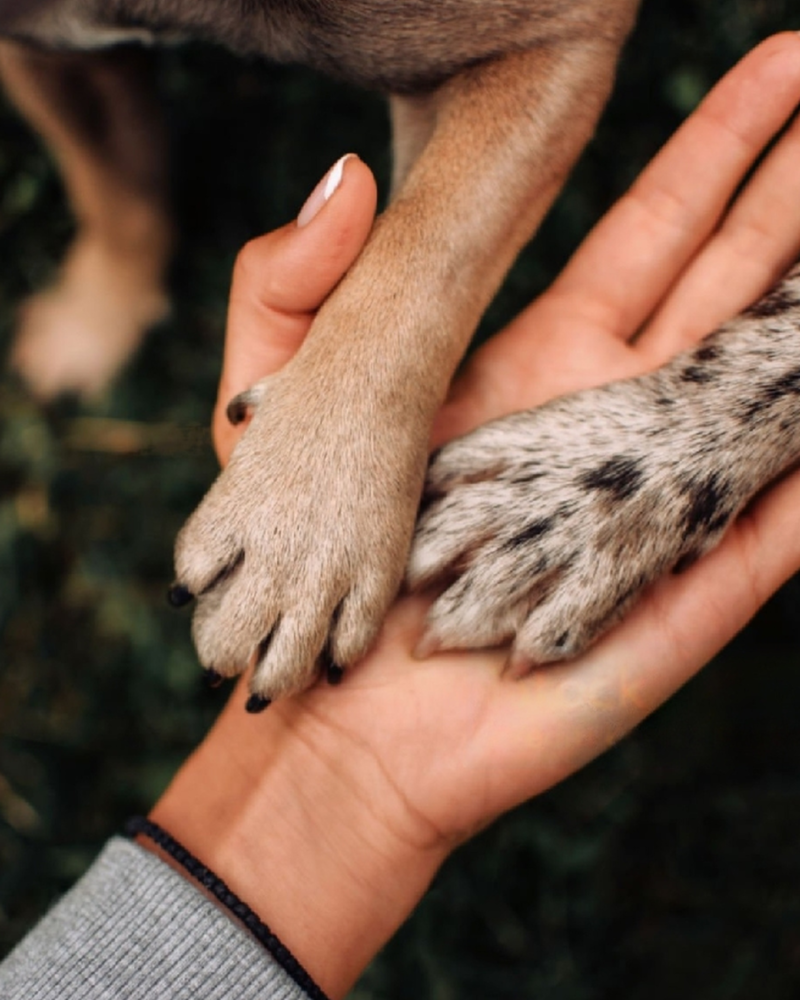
point(304, 826)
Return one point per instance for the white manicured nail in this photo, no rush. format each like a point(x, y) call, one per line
point(323, 192)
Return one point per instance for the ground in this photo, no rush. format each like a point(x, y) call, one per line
point(668, 868)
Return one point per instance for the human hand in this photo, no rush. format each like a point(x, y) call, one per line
point(330, 813)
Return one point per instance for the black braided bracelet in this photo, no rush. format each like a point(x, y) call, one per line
point(212, 883)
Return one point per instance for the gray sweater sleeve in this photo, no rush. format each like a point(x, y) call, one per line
point(134, 929)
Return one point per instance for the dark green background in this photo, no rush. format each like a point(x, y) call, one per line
point(668, 868)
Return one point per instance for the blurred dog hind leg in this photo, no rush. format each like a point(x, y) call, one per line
point(97, 114)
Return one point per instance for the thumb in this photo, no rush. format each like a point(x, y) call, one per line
point(282, 278)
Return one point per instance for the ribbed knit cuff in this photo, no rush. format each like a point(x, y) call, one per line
point(134, 929)
point(216, 888)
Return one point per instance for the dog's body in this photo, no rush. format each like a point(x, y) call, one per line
point(407, 47)
point(491, 102)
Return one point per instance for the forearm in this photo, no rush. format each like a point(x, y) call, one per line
point(310, 841)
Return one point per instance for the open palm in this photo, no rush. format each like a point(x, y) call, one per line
point(450, 740)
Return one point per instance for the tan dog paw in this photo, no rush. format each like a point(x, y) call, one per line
point(298, 549)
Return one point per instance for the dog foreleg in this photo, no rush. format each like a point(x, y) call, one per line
point(545, 527)
point(299, 546)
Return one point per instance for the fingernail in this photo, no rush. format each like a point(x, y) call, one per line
point(323, 192)
point(178, 595)
point(256, 704)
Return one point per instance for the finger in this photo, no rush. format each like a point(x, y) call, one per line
point(756, 243)
point(546, 727)
point(630, 260)
point(281, 279)
point(634, 255)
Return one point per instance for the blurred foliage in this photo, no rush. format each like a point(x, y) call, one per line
point(669, 867)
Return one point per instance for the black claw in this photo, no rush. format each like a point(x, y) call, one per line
point(179, 596)
point(213, 679)
point(256, 704)
point(685, 561)
point(236, 411)
point(334, 673)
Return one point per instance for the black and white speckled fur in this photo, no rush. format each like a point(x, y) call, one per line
point(547, 525)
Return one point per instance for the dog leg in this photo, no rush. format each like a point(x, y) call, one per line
point(413, 123)
point(300, 545)
point(95, 112)
point(546, 526)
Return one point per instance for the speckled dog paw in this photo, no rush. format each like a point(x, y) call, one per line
point(544, 527)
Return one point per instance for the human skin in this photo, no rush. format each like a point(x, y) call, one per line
point(331, 812)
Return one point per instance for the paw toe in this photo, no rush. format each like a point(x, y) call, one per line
point(289, 657)
point(467, 615)
point(227, 630)
point(575, 615)
point(449, 533)
point(205, 556)
point(543, 639)
point(358, 619)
